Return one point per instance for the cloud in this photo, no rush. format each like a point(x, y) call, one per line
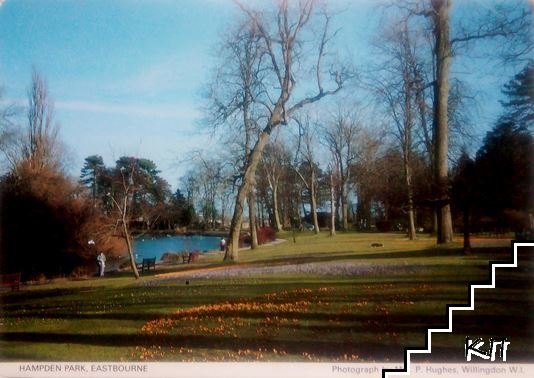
point(178, 111)
point(174, 73)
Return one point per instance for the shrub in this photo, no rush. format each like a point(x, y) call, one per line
point(265, 235)
point(383, 226)
point(244, 240)
point(45, 224)
point(170, 257)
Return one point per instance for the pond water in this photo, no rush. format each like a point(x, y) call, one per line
point(155, 246)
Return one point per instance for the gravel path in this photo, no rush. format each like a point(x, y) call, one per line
point(323, 268)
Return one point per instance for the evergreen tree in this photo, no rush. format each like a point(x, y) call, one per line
point(519, 107)
point(91, 174)
point(504, 169)
point(464, 193)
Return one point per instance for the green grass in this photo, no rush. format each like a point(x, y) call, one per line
point(279, 317)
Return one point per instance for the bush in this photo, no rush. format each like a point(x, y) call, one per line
point(45, 224)
point(383, 226)
point(170, 257)
point(244, 240)
point(265, 235)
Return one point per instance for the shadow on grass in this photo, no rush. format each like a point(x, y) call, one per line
point(482, 254)
point(162, 269)
point(141, 306)
point(360, 325)
point(378, 350)
point(170, 299)
point(404, 323)
point(319, 348)
point(24, 295)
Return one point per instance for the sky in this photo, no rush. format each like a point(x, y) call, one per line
point(127, 76)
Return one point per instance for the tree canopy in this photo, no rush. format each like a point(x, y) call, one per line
point(519, 105)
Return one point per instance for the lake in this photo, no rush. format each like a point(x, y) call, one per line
point(155, 246)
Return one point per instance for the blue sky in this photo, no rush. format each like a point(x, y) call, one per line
point(126, 75)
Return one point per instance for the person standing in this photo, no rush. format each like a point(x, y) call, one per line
point(222, 244)
point(101, 259)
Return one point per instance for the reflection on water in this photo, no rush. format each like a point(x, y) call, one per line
point(155, 246)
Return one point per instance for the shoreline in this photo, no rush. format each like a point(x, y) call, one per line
point(182, 233)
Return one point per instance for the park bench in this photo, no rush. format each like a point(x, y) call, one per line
point(147, 264)
point(190, 257)
point(12, 280)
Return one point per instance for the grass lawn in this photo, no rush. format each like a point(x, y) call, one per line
point(284, 316)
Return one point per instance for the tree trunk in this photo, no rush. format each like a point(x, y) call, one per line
point(261, 213)
point(332, 206)
point(250, 171)
point(344, 197)
point(95, 189)
point(345, 210)
point(295, 217)
point(251, 198)
point(409, 189)
point(313, 207)
point(270, 214)
point(276, 215)
point(434, 224)
point(444, 230)
point(303, 205)
point(339, 207)
point(467, 226)
point(252, 218)
point(443, 59)
point(411, 222)
point(441, 97)
point(126, 233)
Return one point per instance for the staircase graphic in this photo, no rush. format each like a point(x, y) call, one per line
point(427, 349)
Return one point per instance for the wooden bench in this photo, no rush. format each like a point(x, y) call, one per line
point(190, 257)
point(147, 263)
point(12, 280)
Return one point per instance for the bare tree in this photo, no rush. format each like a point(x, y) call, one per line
point(137, 195)
point(122, 198)
point(209, 183)
point(340, 136)
point(37, 146)
point(442, 49)
point(41, 148)
point(7, 112)
point(331, 174)
point(505, 23)
point(307, 169)
point(9, 133)
point(209, 172)
point(190, 183)
point(366, 178)
point(225, 188)
point(282, 38)
point(396, 89)
point(272, 167)
point(236, 85)
point(510, 22)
